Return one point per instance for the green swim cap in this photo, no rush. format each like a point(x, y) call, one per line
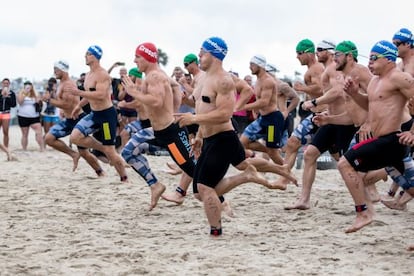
point(190, 58)
point(347, 47)
point(135, 72)
point(305, 46)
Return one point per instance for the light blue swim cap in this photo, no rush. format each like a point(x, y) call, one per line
point(386, 49)
point(96, 51)
point(216, 47)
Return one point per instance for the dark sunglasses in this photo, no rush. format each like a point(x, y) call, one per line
point(398, 43)
point(323, 49)
point(375, 57)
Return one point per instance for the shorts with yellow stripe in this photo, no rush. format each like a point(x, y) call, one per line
point(104, 120)
point(175, 140)
point(268, 127)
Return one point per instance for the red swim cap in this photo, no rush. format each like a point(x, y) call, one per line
point(148, 51)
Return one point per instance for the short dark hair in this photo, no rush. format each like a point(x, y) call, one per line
point(5, 79)
point(52, 80)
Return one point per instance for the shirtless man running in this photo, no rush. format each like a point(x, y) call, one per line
point(67, 102)
point(386, 98)
point(103, 116)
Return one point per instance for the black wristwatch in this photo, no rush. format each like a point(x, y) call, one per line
point(314, 102)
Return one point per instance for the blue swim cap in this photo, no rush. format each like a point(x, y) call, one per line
point(404, 35)
point(96, 51)
point(216, 47)
point(386, 49)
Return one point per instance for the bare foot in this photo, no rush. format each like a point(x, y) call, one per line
point(156, 192)
point(375, 198)
point(281, 183)
point(277, 185)
point(253, 176)
point(227, 208)
point(299, 205)
point(387, 197)
point(75, 159)
point(394, 204)
point(288, 176)
point(362, 219)
point(11, 157)
point(174, 169)
point(174, 197)
point(101, 173)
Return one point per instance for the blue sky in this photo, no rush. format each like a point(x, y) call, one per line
point(35, 34)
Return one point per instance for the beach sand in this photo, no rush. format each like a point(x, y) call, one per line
point(57, 222)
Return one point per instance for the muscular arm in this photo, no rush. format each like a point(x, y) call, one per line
point(177, 94)
point(334, 93)
point(364, 77)
point(66, 102)
point(134, 104)
point(339, 119)
point(351, 87)
point(102, 87)
point(313, 82)
point(155, 85)
point(406, 84)
point(187, 87)
point(265, 96)
point(291, 95)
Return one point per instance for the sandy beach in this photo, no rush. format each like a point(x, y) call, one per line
point(57, 222)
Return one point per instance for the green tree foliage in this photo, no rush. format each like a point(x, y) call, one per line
point(162, 57)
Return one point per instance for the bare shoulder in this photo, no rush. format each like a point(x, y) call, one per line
point(398, 76)
point(284, 87)
point(362, 73)
point(331, 69)
point(226, 83)
point(173, 82)
point(103, 75)
point(157, 76)
point(409, 67)
point(316, 69)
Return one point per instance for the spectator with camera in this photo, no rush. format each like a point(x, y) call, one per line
point(28, 114)
point(7, 102)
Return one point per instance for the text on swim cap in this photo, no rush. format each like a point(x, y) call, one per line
point(387, 48)
point(215, 45)
point(408, 36)
point(147, 51)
